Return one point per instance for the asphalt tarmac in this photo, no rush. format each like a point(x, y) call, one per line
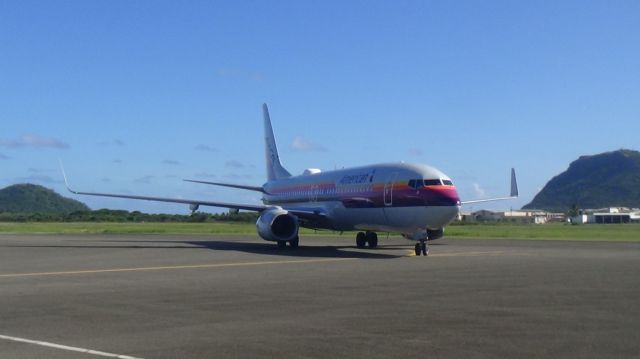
point(240, 297)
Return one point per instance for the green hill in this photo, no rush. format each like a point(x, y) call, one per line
point(610, 179)
point(30, 198)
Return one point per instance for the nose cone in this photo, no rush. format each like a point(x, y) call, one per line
point(442, 196)
point(447, 202)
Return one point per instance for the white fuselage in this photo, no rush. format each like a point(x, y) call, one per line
point(383, 197)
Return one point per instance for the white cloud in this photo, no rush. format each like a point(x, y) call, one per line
point(206, 148)
point(37, 178)
point(480, 192)
point(414, 151)
point(143, 180)
point(116, 142)
point(39, 170)
point(303, 145)
point(236, 176)
point(205, 175)
point(234, 164)
point(33, 141)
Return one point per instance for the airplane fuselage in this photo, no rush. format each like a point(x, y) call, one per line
point(398, 197)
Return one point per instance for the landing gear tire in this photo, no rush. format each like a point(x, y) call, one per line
point(422, 248)
point(281, 244)
point(294, 242)
point(372, 239)
point(361, 240)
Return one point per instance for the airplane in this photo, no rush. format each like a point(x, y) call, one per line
point(415, 200)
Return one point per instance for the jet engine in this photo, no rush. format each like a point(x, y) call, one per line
point(435, 233)
point(277, 224)
point(429, 234)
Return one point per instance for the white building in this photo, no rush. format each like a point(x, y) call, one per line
point(607, 215)
point(517, 216)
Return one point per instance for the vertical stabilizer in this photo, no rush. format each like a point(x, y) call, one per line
point(274, 168)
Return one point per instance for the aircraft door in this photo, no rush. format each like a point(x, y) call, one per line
point(313, 194)
point(388, 189)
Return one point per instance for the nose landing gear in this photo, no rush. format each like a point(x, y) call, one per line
point(422, 247)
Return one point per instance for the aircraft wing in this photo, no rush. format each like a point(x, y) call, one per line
point(512, 195)
point(312, 214)
point(194, 202)
point(191, 202)
point(309, 214)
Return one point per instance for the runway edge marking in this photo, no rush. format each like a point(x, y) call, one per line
point(66, 347)
point(194, 266)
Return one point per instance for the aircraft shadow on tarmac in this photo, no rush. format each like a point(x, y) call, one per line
point(265, 248)
point(301, 251)
point(328, 251)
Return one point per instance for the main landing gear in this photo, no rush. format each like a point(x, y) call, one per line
point(362, 239)
point(422, 247)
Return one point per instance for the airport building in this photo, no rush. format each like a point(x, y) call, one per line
point(598, 216)
point(607, 215)
point(513, 216)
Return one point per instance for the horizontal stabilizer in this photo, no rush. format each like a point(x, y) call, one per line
point(232, 185)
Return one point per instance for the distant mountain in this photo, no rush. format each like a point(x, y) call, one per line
point(610, 179)
point(31, 198)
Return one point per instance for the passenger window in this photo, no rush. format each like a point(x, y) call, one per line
point(412, 183)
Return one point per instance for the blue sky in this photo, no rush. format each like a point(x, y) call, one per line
point(134, 96)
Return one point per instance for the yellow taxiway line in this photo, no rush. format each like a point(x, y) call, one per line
point(224, 265)
point(193, 266)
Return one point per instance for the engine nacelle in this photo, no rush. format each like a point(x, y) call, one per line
point(429, 234)
point(277, 225)
point(435, 233)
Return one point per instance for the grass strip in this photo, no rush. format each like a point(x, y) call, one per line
point(552, 231)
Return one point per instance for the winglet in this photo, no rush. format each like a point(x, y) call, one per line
point(64, 175)
point(514, 184)
point(512, 195)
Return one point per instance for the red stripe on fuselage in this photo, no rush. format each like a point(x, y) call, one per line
point(366, 195)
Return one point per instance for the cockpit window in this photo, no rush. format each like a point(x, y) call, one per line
point(417, 183)
point(432, 182)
